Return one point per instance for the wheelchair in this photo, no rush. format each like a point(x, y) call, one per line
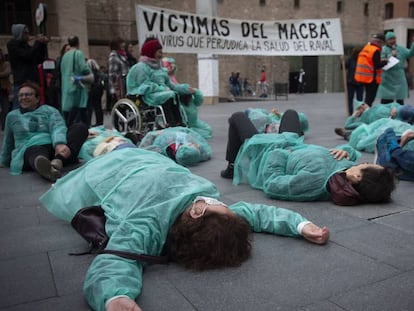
point(132, 114)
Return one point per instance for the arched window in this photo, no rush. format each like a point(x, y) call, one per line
point(15, 12)
point(411, 9)
point(389, 10)
point(296, 4)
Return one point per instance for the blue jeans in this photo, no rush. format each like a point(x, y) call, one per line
point(405, 161)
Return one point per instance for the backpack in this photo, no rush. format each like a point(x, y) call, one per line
point(89, 222)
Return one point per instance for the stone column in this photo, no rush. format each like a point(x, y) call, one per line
point(71, 20)
point(208, 74)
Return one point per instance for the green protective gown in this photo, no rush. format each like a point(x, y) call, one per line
point(153, 84)
point(364, 137)
point(159, 140)
point(287, 169)
point(127, 183)
point(88, 147)
point(191, 110)
point(42, 126)
point(372, 114)
point(261, 118)
point(74, 94)
point(393, 81)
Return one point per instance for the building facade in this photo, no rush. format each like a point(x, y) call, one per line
point(96, 22)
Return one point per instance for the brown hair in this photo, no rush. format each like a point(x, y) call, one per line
point(211, 241)
point(116, 43)
point(376, 185)
point(33, 86)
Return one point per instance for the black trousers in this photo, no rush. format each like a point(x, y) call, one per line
point(76, 136)
point(370, 92)
point(389, 101)
point(240, 129)
point(172, 113)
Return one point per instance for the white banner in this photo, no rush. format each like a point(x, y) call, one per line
point(182, 32)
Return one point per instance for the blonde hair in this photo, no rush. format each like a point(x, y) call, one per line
point(93, 64)
point(107, 145)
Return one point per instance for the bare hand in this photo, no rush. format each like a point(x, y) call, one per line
point(393, 113)
point(315, 234)
point(62, 150)
point(406, 137)
point(339, 154)
point(123, 304)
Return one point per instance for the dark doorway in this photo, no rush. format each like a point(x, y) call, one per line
point(310, 65)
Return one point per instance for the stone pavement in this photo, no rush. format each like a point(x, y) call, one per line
point(367, 265)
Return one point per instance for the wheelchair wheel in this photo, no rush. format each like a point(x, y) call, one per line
point(125, 116)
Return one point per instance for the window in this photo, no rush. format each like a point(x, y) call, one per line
point(339, 7)
point(262, 2)
point(15, 12)
point(411, 9)
point(366, 9)
point(389, 10)
point(296, 4)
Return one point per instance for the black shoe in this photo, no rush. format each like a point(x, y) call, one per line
point(44, 168)
point(290, 122)
point(342, 132)
point(228, 172)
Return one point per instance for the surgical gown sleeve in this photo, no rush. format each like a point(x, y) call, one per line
point(269, 219)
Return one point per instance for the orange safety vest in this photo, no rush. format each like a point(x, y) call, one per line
point(365, 71)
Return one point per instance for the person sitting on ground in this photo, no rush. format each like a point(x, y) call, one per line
point(364, 114)
point(182, 144)
point(364, 137)
point(36, 137)
point(190, 105)
point(286, 168)
point(390, 152)
point(204, 233)
point(151, 82)
point(245, 124)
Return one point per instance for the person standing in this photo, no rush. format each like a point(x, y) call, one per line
point(5, 88)
point(263, 83)
point(132, 60)
point(301, 81)
point(75, 73)
point(394, 86)
point(369, 67)
point(354, 88)
point(95, 93)
point(24, 57)
point(117, 71)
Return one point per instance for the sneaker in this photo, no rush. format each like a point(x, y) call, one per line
point(342, 132)
point(228, 172)
point(385, 144)
point(57, 166)
point(44, 168)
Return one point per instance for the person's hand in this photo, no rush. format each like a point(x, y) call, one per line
point(123, 304)
point(339, 154)
point(357, 113)
point(315, 234)
point(393, 113)
point(42, 38)
point(62, 150)
point(92, 135)
point(192, 90)
point(406, 137)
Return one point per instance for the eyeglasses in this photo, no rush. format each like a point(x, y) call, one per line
point(25, 94)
